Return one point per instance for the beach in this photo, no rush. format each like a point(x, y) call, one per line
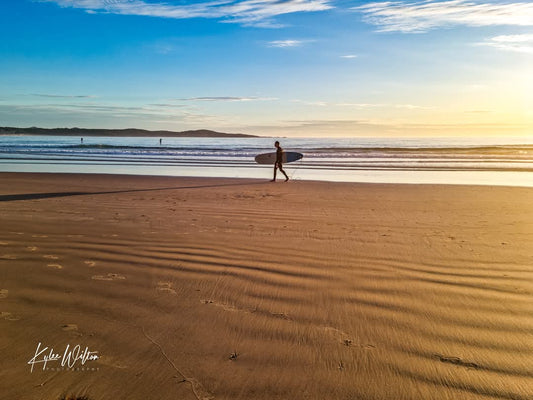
point(217, 288)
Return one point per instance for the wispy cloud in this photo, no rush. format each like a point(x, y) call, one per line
point(285, 43)
point(422, 16)
point(61, 96)
point(361, 105)
point(228, 98)
point(377, 128)
point(163, 48)
point(167, 105)
point(318, 103)
point(412, 107)
point(147, 117)
point(518, 43)
point(246, 12)
point(151, 109)
point(349, 56)
point(107, 112)
point(383, 105)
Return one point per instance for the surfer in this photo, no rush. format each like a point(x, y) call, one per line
point(279, 162)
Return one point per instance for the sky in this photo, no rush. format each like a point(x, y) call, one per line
point(270, 67)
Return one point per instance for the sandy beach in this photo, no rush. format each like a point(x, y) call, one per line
point(204, 288)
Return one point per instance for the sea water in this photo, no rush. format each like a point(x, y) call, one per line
point(480, 161)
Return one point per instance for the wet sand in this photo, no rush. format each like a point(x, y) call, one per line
point(203, 288)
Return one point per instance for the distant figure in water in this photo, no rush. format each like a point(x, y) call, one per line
point(160, 141)
point(279, 162)
point(81, 140)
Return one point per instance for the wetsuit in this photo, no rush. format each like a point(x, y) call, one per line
point(279, 163)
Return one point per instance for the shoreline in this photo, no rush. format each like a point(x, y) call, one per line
point(297, 174)
point(236, 289)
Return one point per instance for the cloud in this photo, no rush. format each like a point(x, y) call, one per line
point(159, 111)
point(361, 105)
point(425, 15)
point(311, 103)
point(247, 12)
point(167, 105)
point(412, 107)
point(518, 43)
point(60, 115)
point(164, 48)
point(382, 105)
point(152, 109)
point(349, 56)
point(228, 98)
point(37, 113)
point(285, 43)
point(59, 96)
point(377, 128)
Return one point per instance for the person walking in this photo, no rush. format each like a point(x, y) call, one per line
point(279, 162)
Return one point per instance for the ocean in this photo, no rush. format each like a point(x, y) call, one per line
point(478, 161)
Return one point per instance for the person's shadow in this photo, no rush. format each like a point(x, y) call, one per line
point(38, 196)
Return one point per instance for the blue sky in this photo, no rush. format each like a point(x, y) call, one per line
point(291, 68)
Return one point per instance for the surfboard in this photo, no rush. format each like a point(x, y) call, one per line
point(270, 158)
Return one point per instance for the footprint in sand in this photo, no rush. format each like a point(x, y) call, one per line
point(336, 332)
point(227, 307)
point(108, 277)
point(455, 361)
point(8, 257)
point(90, 263)
point(3, 293)
point(17, 233)
point(51, 257)
point(4, 243)
point(349, 343)
point(343, 338)
point(39, 236)
point(8, 316)
point(165, 287)
point(69, 327)
point(31, 248)
point(281, 315)
point(56, 266)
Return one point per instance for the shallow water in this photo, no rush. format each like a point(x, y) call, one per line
point(482, 161)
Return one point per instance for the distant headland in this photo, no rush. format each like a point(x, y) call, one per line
point(115, 132)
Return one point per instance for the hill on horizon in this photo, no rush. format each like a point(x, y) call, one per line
point(115, 132)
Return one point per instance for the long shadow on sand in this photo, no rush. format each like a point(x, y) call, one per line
point(38, 196)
